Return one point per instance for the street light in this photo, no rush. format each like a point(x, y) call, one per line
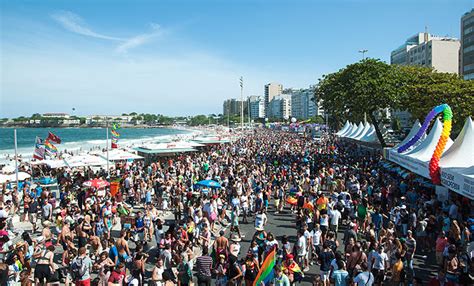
point(363, 53)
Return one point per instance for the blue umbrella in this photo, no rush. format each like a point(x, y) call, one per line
point(209, 184)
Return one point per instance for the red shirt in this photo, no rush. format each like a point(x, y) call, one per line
point(116, 277)
point(441, 244)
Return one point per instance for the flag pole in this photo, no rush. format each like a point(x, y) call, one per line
point(16, 159)
point(107, 143)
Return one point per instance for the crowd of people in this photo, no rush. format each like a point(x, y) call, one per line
point(354, 221)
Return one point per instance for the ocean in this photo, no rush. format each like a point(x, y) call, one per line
point(81, 139)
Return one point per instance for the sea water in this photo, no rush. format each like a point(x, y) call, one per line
point(78, 140)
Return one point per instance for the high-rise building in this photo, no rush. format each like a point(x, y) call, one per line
point(271, 90)
point(280, 107)
point(257, 106)
point(302, 104)
point(423, 49)
point(466, 68)
point(232, 107)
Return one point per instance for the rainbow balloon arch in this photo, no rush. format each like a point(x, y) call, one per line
point(435, 156)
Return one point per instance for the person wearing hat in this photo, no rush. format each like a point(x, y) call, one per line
point(292, 269)
point(234, 247)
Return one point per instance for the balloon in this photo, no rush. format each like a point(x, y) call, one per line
point(443, 139)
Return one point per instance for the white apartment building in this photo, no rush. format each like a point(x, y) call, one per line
point(302, 104)
point(423, 49)
point(257, 106)
point(280, 107)
point(270, 91)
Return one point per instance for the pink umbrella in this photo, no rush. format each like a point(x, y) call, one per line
point(96, 183)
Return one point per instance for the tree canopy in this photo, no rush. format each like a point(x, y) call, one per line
point(371, 86)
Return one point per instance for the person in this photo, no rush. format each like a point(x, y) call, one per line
point(82, 266)
point(301, 250)
point(379, 265)
point(280, 279)
point(325, 258)
point(410, 253)
point(364, 278)
point(32, 213)
point(260, 219)
point(340, 276)
point(117, 277)
point(45, 266)
point(441, 243)
point(398, 271)
point(157, 274)
point(122, 247)
point(251, 269)
point(203, 268)
point(185, 275)
point(334, 215)
point(235, 273)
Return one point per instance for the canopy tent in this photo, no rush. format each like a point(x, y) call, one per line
point(349, 130)
point(417, 159)
point(85, 160)
point(363, 132)
point(171, 147)
point(344, 128)
point(354, 130)
point(371, 135)
point(457, 163)
point(357, 132)
point(211, 139)
point(392, 152)
point(12, 177)
point(52, 163)
point(118, 155)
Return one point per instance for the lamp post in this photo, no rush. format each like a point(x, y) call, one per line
point(363, 53)
point(242, 103)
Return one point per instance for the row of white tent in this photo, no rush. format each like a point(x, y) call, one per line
point(362, 132)
point(456, 163)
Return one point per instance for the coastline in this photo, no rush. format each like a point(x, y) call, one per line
point(92, 127)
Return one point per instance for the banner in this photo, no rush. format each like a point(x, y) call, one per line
point(115, 135)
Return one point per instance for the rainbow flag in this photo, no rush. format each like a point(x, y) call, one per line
point(266, 272)
point(50, 148)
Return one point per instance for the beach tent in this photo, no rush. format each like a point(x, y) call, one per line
point(211, 139)
point(364, 131)
point(52, 163)
point(119, 155)
point(344, 128)
point(457, 163)
point(12, 177)
point(359, 129)
point(85, 160)
point(417, 159)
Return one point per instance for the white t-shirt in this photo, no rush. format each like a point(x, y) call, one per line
point(379, 260)
point(301, 243)
point(335, 216)
point(364, 279)
point(260, 220)
point(316, 237)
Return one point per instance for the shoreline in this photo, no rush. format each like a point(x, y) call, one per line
point(96, 127)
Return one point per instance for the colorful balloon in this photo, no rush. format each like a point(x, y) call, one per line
point(443, 139)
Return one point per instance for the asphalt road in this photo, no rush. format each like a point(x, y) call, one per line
point(284, 224)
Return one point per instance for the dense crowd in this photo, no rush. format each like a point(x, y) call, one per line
point(361, 224)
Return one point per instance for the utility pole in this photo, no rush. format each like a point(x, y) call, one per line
point(242, 103)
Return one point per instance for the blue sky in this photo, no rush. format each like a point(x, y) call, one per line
point(185, 57)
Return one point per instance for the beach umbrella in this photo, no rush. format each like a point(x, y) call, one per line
point(96, 183)
point(8, 169)
point(209, 184)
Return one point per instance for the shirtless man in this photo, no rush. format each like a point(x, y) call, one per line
point(122, 247)
point(221, 244)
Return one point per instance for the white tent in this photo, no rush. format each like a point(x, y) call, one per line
point(85, 160)
point(119, 155)
point(348, 130)
point(364, 131)
point(52, 163)
point(12, 177)
point(352, 132)
point(393, 152)
point(359, 129)
point(461, 153)
point(417, 159)
point(344, 128)
point(371, 135)
point(457, 163)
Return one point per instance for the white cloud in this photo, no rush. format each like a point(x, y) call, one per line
point(140, 39)
point(74, 23)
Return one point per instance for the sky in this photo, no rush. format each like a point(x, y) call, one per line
point(186, 57)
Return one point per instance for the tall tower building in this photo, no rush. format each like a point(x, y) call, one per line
point(466, 68)
point(271, 90)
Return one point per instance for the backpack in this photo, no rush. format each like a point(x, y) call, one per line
point(79, 269)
